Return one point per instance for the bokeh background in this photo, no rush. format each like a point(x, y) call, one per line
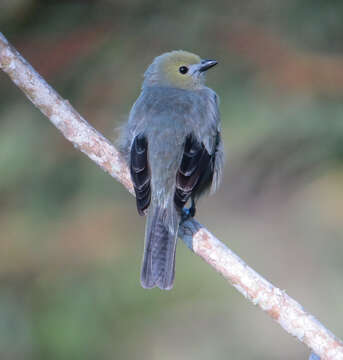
point(71, 240)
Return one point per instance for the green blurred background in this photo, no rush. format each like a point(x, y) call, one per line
point(71, 239)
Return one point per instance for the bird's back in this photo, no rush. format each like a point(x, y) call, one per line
point(166, 116)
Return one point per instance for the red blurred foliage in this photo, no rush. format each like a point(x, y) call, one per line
point(51, 58)
point(286, 67)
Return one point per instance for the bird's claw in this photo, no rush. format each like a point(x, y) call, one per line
point(188, 213)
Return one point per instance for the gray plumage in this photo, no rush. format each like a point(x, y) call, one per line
point(173, 147)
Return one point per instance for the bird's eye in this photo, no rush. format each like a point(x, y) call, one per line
point(183, 70)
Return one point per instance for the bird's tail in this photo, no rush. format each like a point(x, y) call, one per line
point(159, 252)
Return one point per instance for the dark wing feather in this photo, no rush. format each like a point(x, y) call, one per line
point(195, 173)
point(206, 179)
point(140, 173)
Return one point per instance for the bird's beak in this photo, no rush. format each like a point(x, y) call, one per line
point(207, 64)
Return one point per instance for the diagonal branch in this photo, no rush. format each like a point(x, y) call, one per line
point(282, 308)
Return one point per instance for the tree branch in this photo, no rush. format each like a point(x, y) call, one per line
point(282, 308)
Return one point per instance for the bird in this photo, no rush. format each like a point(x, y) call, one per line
point(173, 148)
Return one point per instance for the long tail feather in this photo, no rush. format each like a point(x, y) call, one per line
point(159, 254)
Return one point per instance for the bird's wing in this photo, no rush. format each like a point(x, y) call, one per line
point(212, 140)
point(140, 172)
point(195, 173)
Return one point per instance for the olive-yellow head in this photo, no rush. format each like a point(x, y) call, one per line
point(179, 69)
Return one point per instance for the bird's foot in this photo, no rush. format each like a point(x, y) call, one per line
point(188, 213)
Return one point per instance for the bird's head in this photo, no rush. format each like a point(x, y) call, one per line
point(178, 69)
